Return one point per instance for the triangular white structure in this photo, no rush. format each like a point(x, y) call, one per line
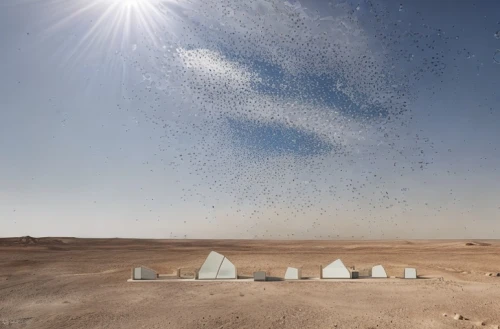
point(378, 271)
point(143, 273)
point(293, 273)
point(410, 273)
point(216, 266)
point(336, 270)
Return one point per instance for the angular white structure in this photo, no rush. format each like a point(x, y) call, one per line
point(335, 270)
point(410, 273)
point(143, 273)
point(227, 270)
point(210, 268)
point(293, 273)
point(378, 271)
point(216, 266)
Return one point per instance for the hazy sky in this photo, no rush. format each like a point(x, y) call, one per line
point(250, 119)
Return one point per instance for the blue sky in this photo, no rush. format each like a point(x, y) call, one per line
point(255, 119)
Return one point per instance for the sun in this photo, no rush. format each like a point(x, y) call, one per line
point(128, 4)
point(131, 3)
point(105, 28)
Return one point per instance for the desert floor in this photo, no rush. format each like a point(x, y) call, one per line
point(82, 283)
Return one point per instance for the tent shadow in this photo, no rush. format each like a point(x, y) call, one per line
point(245, 277)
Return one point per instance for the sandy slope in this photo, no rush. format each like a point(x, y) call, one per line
point(81, 283)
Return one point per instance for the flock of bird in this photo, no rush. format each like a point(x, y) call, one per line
point(291, 121)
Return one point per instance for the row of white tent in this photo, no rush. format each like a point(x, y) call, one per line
point(217, 266)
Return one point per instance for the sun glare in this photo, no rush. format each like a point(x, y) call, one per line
point(115, 25)
point(131, 3)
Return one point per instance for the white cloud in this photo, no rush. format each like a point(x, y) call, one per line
point(234, 96)
point(205, 63)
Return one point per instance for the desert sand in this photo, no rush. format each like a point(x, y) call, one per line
point(82, 283)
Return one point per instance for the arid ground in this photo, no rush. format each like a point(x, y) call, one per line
point(82, 283)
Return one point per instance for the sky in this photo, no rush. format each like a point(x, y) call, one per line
point(257, 119)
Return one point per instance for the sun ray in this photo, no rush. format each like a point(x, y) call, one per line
point(101, 28)
point(69, 18)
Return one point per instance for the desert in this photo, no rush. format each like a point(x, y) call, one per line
point(82, 283)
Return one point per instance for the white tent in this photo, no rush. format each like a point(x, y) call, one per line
point(336, 270)
point(293, 273)
point(410, 273)
point(216, 266)
point(143, 273)
point(378, 271)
